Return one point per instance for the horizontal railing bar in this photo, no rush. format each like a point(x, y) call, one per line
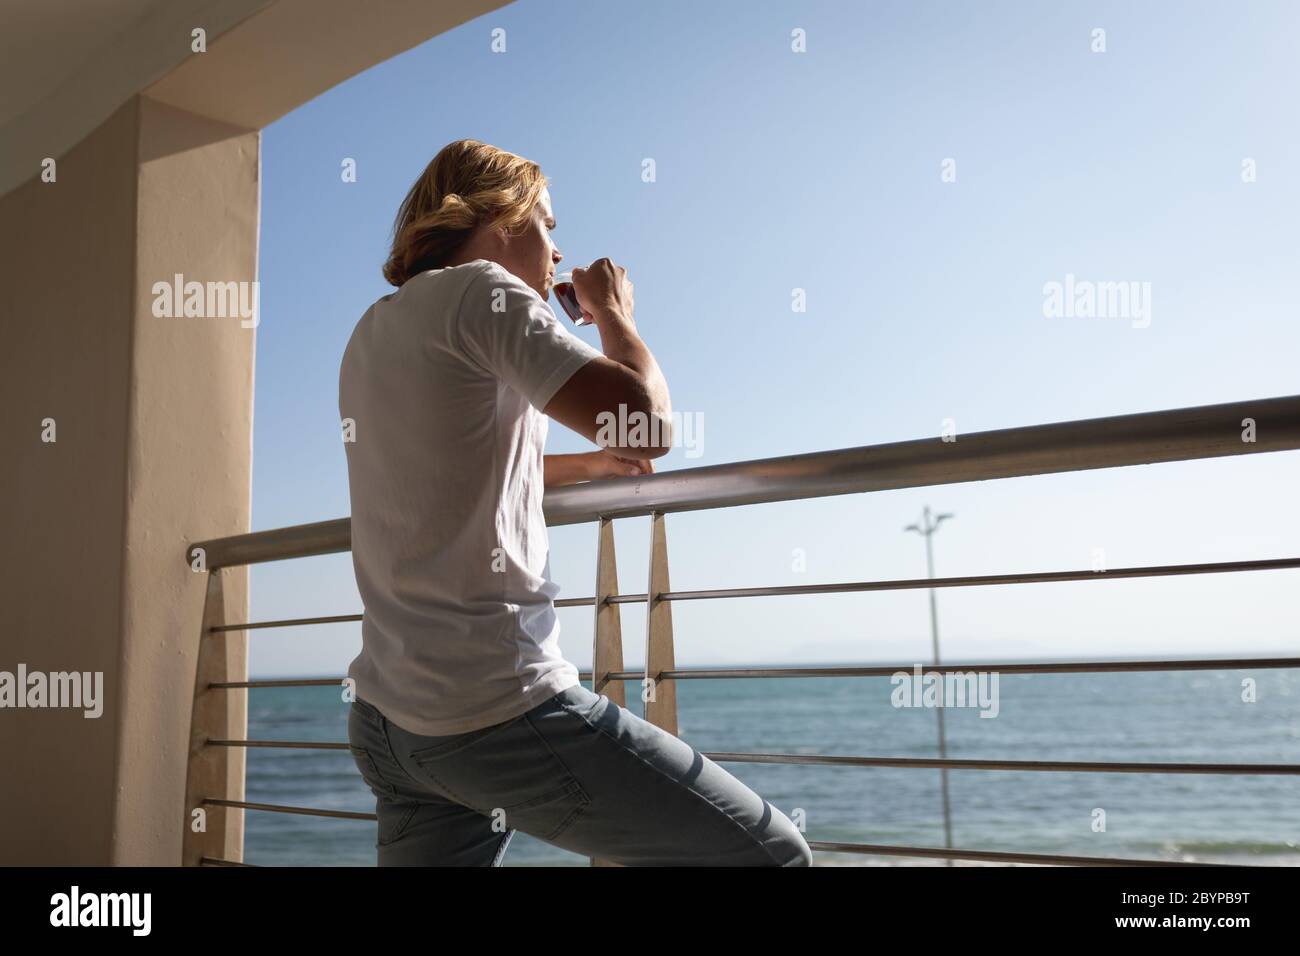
point(922, 852)
point(292, 744)
point(929, 763)
point(275, 682)
point(277, 808)
point(277, 544)
point(1048, 766)
point(991, 856)
point(874, 670)
point(294, 622)
point(865, 848)
point(950, 853)
point(1045, 667)
point(1036, 577)
point(1206, 431)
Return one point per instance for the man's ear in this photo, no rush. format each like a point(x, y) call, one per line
point(501, 237)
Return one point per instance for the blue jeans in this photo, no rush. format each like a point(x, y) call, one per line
point(576, 771)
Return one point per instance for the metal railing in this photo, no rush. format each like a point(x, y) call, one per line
point(1211, 431)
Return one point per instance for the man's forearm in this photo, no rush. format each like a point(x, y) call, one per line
point(621, 343)
point(565, 469)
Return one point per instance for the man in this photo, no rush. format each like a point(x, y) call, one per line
point(468, 722)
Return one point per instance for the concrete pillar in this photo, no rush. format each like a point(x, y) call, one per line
point(152, 418)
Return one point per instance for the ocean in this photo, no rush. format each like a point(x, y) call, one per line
point(1189, 716)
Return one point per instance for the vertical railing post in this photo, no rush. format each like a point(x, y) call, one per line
point(607, 635)
point(607, 631)
point(221, 714)
point(661, 707)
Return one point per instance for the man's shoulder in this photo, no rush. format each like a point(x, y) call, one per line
point(486, 275)
point(470, 288)
point(449, 281)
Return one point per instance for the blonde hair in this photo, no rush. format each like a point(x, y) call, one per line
point(466, 185)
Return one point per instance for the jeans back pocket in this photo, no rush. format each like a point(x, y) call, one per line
point(509, 772)
point(370, 772)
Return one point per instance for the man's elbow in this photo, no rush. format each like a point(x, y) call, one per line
point(643, 427)
point(654, 450)
point(645, 437)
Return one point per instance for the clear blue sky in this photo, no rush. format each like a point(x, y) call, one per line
point(821, 171)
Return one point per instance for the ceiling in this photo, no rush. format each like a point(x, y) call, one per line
point(67, 65)
point(44, 42)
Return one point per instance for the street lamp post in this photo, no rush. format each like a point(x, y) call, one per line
point(927, 529)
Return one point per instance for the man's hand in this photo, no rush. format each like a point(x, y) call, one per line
point(607, 464)
point(560, 470)
point(603, 289)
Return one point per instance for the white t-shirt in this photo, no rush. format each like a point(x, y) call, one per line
point(445, 380)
